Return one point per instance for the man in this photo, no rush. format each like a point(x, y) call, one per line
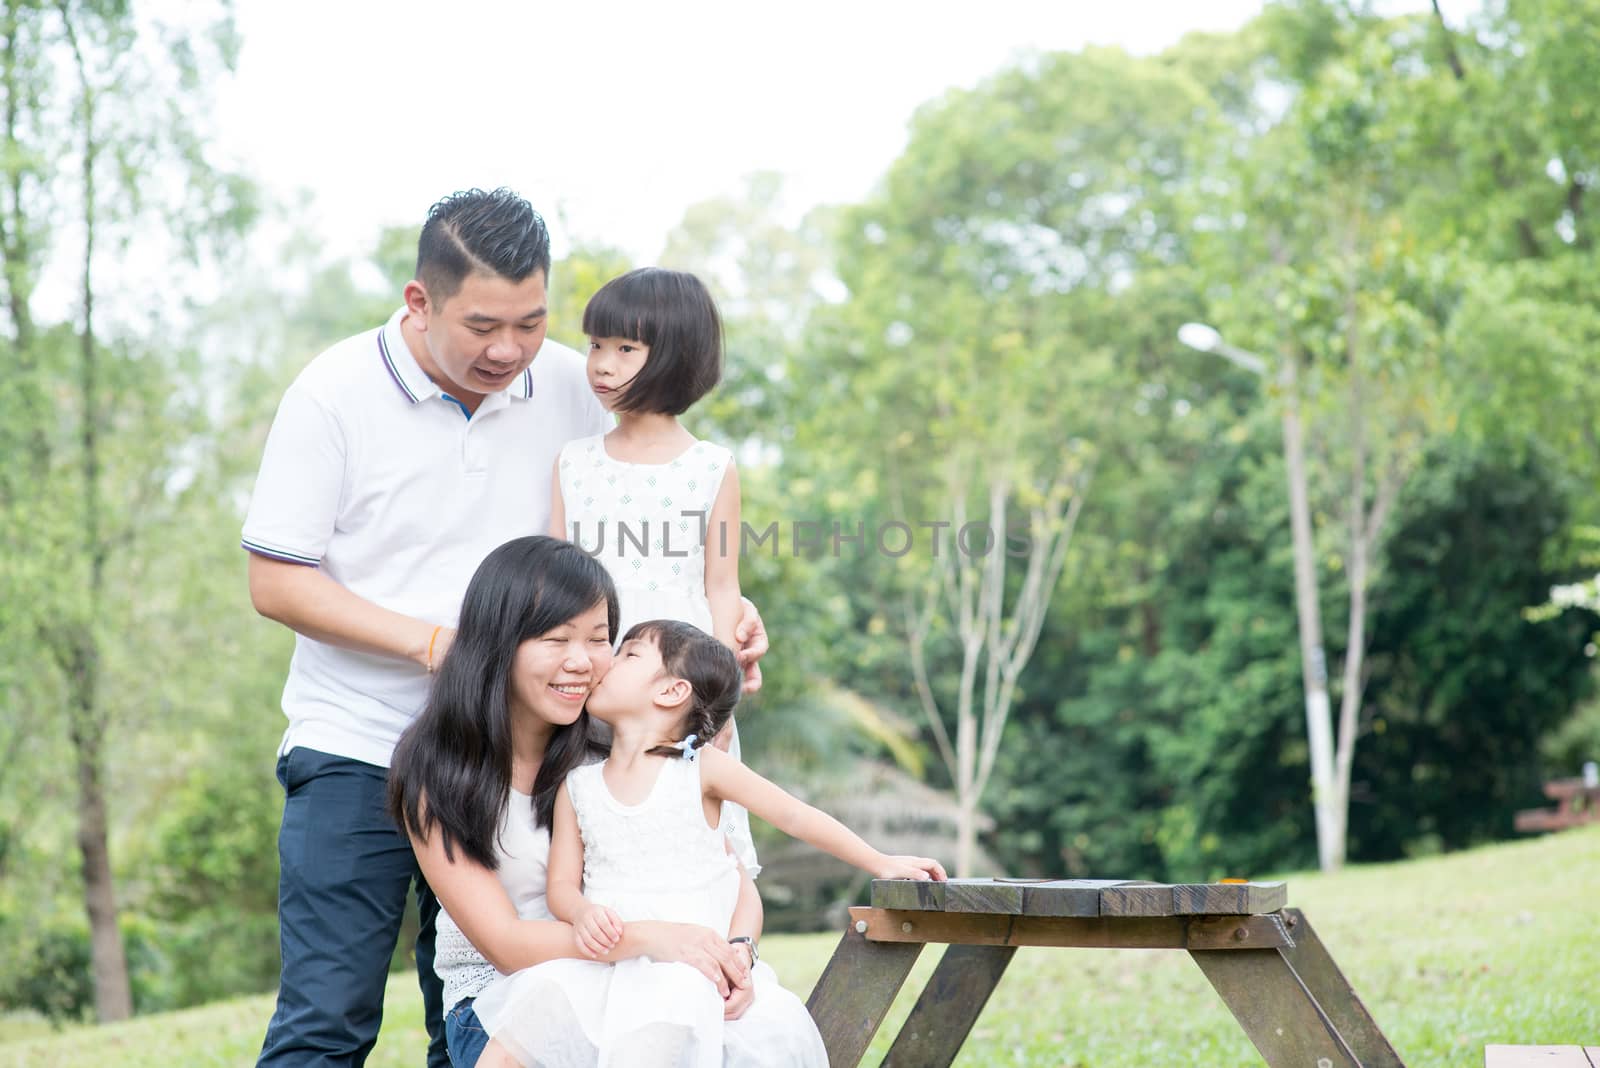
point(398, 459)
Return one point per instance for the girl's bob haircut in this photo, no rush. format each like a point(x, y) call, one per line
point(672, 312)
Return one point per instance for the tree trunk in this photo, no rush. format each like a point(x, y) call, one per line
point(1356, 567)
point(993, 645)
point(112, 990)
point(113, 996)
point(966, 836)
point(1313, 661)
point(966, 783)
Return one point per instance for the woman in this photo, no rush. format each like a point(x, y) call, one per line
point(474, 781)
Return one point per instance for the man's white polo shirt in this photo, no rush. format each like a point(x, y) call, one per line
point(376, 477)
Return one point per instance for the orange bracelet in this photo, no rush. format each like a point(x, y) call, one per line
point(431, 639)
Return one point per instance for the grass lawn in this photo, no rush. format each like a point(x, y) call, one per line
point(1500, 944)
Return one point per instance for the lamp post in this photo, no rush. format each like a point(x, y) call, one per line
point(1313, 662)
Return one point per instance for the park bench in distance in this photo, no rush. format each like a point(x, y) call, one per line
point(1577, 804)
point(1263, 959)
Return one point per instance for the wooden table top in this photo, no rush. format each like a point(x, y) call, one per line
point(1078, 897)
point(1566, 789)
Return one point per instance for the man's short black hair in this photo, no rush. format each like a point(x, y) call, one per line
point(673, 313)
point(495, 233)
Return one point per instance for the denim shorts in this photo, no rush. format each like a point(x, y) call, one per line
point(464, 1035)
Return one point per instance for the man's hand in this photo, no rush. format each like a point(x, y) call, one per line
point(439, 643)
point(751, 634)
point(597, 930)
point(923, 868)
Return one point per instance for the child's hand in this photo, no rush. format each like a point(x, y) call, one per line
point(910, 868)
point(597, 930)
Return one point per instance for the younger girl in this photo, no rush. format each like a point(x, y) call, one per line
point(639, 835)
point(654, 504)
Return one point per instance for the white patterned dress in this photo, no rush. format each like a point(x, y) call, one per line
point(656, 860)
point(649, 524)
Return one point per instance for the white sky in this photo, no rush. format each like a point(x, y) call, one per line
point(615, 116)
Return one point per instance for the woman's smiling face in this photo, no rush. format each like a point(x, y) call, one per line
point(554, 672)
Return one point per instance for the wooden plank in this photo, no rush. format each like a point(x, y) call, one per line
point(1550, 819)
point(1275, 1009)
point(1228, 899)
point(1092, 932)
point(1136, 899)
point(983, 895)
point(1008, 897)
point(886, 925)
point(1566, 789)
point(1064, 897)
point(1535, 1057)
point(948, 1006)
point(1078, 897)
point(855, 991)
point(907, 894)
point(1236, 932)
point(1266, 897)
point(1315, 966)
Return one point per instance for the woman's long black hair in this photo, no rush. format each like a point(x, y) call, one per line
point(456, 756)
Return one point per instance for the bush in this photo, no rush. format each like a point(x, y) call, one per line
point(52, 972)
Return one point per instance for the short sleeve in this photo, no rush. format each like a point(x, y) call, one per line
point(300, 484)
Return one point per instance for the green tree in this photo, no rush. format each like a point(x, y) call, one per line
point(101, 417)
point(1335, 279)
point(979, 370)
point(1513, 127)
point(1465, 682)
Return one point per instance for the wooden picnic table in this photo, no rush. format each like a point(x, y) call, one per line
point(1577, 803)
point(1263, 959)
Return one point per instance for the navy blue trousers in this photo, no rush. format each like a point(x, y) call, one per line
point(344, 869)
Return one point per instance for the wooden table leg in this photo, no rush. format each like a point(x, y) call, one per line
point(1274, 1008)
point(855, 992)
point(948, 1006)
point(1322, 977)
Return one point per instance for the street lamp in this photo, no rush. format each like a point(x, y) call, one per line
point(1203, 338)
point(1313, 662)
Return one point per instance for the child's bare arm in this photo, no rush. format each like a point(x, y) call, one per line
point(564, 881)
point(749, 915)
point(595, 928)
point(726, 779)
point(722, 560)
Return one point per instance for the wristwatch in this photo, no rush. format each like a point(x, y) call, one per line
point(755, 955)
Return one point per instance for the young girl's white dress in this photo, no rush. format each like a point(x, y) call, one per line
point(657, 860)
point(650, 525)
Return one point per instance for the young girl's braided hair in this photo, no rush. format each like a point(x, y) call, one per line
point(710, 669)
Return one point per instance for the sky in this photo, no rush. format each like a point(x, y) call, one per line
point(613, 118)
